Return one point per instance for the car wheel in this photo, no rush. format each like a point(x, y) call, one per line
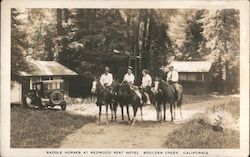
point(56, 97)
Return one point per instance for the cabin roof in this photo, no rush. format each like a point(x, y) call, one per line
point(192, 66)
point(46, 68)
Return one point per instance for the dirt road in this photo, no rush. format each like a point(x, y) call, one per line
point(145, 134)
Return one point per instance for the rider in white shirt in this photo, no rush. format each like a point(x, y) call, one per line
point(129, 76)
point(106, 78)
point(173, 76)
point(146, 85)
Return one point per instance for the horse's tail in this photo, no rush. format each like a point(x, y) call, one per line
point(179, 100)
point(179, 96)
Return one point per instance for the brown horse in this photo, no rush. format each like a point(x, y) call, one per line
point(166, 93)
point(104, 97)
point(126, 97)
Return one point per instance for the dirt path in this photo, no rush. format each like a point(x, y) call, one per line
point(146, 134)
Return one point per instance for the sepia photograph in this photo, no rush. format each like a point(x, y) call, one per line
point(158, 79)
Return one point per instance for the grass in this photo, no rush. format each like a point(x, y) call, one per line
point(201, 133)
point(231, 107)
point(193, 134)
point(31, 128)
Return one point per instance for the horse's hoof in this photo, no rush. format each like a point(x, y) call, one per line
point(133, 123)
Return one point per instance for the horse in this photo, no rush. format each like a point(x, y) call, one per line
point(126, 97)
point(104, 97)
point(168, 94)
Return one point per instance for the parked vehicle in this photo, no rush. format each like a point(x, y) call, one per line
point(46, 93)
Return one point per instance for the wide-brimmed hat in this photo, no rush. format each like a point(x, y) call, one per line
point(129, 67)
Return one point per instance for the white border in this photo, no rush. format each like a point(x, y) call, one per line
point(243, 6)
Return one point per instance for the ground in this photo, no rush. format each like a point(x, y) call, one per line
point(77, 127)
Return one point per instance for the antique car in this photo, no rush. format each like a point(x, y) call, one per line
point(48, 93)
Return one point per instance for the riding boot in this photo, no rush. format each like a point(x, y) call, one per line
point(139, 95)
point(148, 99)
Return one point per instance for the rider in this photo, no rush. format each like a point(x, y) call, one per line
point(146, 84)
point(106, 78)
point(173, 77)
point(129, 76)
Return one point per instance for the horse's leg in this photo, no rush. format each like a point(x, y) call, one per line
point(157, 111)
point(181, 112)
point(135, 108)
point(112, 110)
point(159, 105)
point(171, 110)
point(100, 112)
point(122, 112)
point(115, 109)
point(180, 103)
point(141, 113)
point(174, 109)
point(107, 107)
point(128, 112)
point(164, 111)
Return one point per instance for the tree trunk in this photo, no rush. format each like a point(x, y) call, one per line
point(220, 77)
point(59, 22)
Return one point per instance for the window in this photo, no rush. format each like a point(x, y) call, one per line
point(47, 78)
point(183, 76)
point(33, 80)
point(200, 76)
point(58, 85)
point(191, 76)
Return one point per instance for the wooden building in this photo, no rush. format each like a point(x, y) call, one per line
point(40, 71)
point(194, 76)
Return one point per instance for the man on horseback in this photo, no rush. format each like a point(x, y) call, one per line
point(173, 77)
point(129, 76)
point(106, 79)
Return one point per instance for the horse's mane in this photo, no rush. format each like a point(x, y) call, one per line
point(163, 81)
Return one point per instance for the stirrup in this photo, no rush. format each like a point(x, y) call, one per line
point(148, 102)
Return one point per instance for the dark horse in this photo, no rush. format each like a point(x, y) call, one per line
point(166, 93)
point(105, 96)
point(125, 97)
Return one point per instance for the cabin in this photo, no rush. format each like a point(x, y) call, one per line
point(194, 76)
point(38, 71)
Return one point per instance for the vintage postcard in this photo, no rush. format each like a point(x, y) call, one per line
point(124, 78)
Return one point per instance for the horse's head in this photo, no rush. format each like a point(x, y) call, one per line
point(114, 88)
point(124, 89)
point(94, 87)
point(97, 87)
point(156, 87)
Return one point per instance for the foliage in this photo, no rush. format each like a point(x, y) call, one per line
point(18, 44)
point(221, 44)
point(40, 27)
point(201, 132)
point(86, 40)
point(195, 135)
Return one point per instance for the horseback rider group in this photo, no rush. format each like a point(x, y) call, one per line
point(106, 80)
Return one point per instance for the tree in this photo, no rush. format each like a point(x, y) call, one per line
point(183, 31)
point(193, 36)
point(221, 45)
point(18, 45)
point(40, 27)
